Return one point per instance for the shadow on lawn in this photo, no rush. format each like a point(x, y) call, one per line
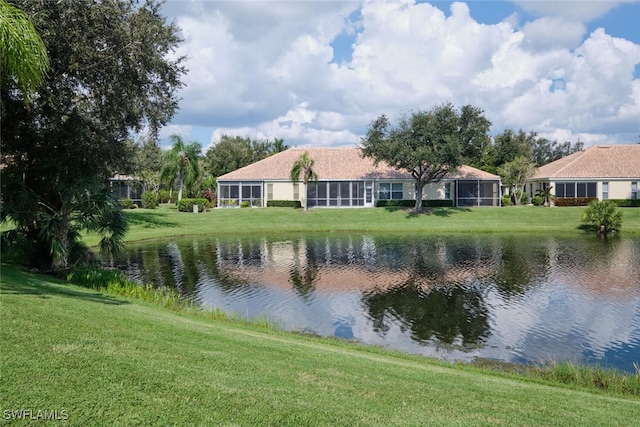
point(150, 220)
point(16, 283)
point(440, 212)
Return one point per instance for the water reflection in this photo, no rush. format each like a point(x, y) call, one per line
point(513, 298)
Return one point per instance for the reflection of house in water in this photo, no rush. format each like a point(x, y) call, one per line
point(351, 264)
point(600, 267)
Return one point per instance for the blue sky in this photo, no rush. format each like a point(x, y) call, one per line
point(317, 72)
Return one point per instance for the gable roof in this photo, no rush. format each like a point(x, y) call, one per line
point(334, 164)
point(599, 161)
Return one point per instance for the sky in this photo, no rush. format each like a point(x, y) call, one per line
point(317, 73)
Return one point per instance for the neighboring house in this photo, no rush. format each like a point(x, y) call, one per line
point(346, 179)
point(127, 187)
point(601, 171)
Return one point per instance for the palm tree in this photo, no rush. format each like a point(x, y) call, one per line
point(604, 216)
point(547, 195)
point(182, 163)
point(304, 166)
point(23, 55)
point(278, 146)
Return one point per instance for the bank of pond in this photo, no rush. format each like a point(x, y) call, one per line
point(525, 298)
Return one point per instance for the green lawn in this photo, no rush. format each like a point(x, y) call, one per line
point(166, 221)
point(107, 360)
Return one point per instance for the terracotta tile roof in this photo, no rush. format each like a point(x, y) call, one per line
point(333, 164)
point(599, 161)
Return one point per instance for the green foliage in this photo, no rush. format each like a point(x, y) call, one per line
point(303, 167)
point(164, 196)
point(537, 200)
point(284, 204)
point(149, 200)
point(231, 153)
point(506, 200)
point(408, 203)
point(127, 204)
point(111, 73)
point(514, 175)
point(426, 144)
point(23, 55)
point(603, 216)
point(546, 195)
point(186, 205)
point(245, 204)
point(181, 164)
point(574, 201)
point(626, 203)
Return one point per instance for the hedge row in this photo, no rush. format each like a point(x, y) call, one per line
point(575, 201)
point(626, 203)
point(284, 204)
point(406, 203)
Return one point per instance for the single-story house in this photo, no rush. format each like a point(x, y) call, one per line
point(127, 187)
point(601, 171)
point(347, 179)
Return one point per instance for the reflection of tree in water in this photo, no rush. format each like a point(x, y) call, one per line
point(447, 314)
point(303, 277)
point(523, 263)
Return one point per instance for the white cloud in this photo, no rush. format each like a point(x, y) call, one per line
point(265, 69)
point(579, 10)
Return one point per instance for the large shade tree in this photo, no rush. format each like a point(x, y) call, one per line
point(112, 72)
point(233, 152)
point(515, 174)
point(303, 168)
point(181, 163)
point(427, 144)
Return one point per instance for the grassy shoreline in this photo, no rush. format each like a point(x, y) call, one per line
point(106, 359)
point(166, 221)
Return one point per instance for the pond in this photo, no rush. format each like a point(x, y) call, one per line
point(514, 298)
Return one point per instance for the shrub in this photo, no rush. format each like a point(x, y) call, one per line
point(163, 196)
point(575, 201)
point(127, 204)
point(537, 200)
point(186, 205)
point(603, 216)
point(245, 204)
point(210, 195)
point(506, 200)
point(149, 200)
point(626, 203)
point(284, 204)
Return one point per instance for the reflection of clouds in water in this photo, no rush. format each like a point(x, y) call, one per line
point(545, 298)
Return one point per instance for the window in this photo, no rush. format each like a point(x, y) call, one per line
point(335, 193)
point(270, 191)
point(566, 190)
point(296, 191)
point(447, 190)
point(605, 190)
point(234, 193)
point(634, 190)
point(390, 191)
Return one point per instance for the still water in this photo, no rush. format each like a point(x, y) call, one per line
point(521, 298)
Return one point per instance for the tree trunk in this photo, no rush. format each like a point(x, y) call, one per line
point(419, 186)
point(180, 182)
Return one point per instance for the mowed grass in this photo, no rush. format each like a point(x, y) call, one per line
point(166, 221)
point(114, 361)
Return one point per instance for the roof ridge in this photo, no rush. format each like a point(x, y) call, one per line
point(579, 154)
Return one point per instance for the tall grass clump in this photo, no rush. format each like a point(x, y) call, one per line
point(114, 282)
point(590, 377)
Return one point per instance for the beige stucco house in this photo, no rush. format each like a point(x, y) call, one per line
point(602, 171)
point(346, 179)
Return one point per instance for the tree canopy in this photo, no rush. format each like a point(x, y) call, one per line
point(181, 163)
point(111, 73)
point(233, 152)
point(427, 144)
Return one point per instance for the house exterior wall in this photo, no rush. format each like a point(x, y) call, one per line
point(284, 190)
point(617, 188)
